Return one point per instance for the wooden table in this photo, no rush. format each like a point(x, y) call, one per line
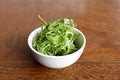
point(99, 20)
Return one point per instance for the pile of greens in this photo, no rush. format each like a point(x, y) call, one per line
point(56, 38)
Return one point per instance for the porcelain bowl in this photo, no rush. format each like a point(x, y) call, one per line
point(58, 61)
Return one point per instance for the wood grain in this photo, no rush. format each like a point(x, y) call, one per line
point(99, 20)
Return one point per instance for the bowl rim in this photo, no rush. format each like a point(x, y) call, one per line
point(30, 38)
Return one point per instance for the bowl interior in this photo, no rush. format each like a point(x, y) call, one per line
point(79, 41)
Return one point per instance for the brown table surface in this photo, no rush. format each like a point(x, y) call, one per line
point(99, 20)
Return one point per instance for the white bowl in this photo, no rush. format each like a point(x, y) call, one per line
point(58, 61)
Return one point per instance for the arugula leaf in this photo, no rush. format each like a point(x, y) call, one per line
point(56, 38)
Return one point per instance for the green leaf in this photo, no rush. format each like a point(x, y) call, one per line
point(56, 38)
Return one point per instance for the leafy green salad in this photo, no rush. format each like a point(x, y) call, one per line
point(56, 38)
